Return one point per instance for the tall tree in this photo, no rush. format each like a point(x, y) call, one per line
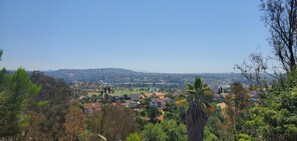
point(75, 123)
point(280, 16)
point(241, 98)
point(16, 90)
point(254, 70)
point(114, 122)
point(57, 96)
point(238, 102)
point(198, 97)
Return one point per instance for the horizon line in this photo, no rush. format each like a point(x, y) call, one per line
point(139, 71)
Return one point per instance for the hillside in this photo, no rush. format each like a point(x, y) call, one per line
point(124, 76)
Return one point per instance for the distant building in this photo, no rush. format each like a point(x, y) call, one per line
point(154, 95)
point(158, 103)
point(92, 107)
point(160, 95)
point(134, 97)
point(161, 102)
point(118, 97)
point(130, 103)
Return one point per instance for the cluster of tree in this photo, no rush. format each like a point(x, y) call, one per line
point(33, 107)
point(114, 122)
point(273, 116)
point(48, 109)
point(167, 130)
point(16, 91)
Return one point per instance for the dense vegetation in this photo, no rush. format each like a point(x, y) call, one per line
point(47, 110)
point(16, 91)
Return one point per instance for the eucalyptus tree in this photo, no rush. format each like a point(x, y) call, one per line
point(280, 16)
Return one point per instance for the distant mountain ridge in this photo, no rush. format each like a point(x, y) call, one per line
point(88, 74)
point(125, 76)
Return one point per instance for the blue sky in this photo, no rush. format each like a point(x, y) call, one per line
point(144, 35)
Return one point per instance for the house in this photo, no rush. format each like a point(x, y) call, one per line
point(168, 100)
point(118, 97)
point(158, 103)
point(134, 97)
point(160, 95)
point(155, 95)
point(92, 107)
point(130, 103)
point(146, 95)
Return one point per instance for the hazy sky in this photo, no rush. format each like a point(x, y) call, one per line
point(143, 35)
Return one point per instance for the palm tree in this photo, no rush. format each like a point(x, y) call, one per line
point(198, 95)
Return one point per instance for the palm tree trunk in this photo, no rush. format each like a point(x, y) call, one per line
point(195, 121)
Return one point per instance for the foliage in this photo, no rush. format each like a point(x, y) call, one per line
point(280, 17)
point(133, 137)
point(167, 130)
point(87, 135)
point(176, 112)
point(256, 71)
point(152, 113)
point(209, 136)
point(75, 123)
point(153, 133)
point(198, 97)
point(198, 91)
point(36, 130)
point(16, 90)
point(114, 122)
point(173, 130)
point(238, 103)
point(276, 116)
point(51, 105)
point(214, 129)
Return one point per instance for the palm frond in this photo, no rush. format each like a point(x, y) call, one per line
point(180, 102)
point(189, 86)
point(198, 83)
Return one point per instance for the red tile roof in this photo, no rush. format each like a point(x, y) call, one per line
point(91, 107)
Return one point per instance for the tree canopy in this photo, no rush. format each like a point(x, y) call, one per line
point(16, 90)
